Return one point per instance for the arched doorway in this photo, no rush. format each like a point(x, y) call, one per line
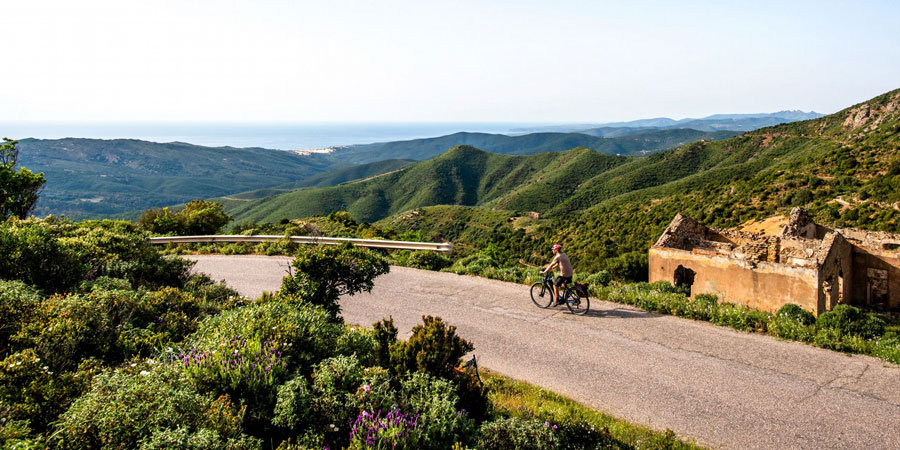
point(684, 279)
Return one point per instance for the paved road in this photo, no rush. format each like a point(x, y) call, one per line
point(724, 388)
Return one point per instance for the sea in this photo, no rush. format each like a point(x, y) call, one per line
point(278, 136)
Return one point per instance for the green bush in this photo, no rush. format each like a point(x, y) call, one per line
point(33, 254)
point(385, 335)
point(515, 433)
point(433, 348)
point(427, 260)
point(17, 302)
point(292, 408)
point(124, 410)
point(111, 325)
point(322, 274)
point(435, 401)
point(394, 429)
point(31, 392)
point(359, 342)
point(849, 320)
point(705, 299)
point(198, 217)
point(594, 280)
point(304, 333)
point(334, 404)
point(796, 314)
point(182, 438)
point(57, 255)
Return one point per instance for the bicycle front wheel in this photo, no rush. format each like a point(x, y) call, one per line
point(541, 295)
point(578, 305)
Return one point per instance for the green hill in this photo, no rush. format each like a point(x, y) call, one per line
point(92, 177)
point(844, 168)
point(462, 176)
point(627, 142)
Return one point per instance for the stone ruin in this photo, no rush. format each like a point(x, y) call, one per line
point(808, 264)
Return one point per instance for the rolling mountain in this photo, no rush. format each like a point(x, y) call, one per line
point(621, 142)
point(92, 177)
point(844, 168)
point(462, 176)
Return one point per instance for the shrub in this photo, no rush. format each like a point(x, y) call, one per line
point(632, 266)
point(514, 433)
point(198, 217)
point(706, 299)
point(111, 325)
point(57, 255)
point(335, 382)
point(17, 302)
point(248, 369)
point(359, 342)
point(849, 320)
point(304, 333)
point(385, 335)
point(122, 410)
point(31, 392)
point(105, 283)
point(32, 253)
point(324, 273)
point(435, 402)
point(788, 328)
point(182, 438)
point(292, 408)
point(394, 430)
point(213, 292)
point(202, 217)
point(427, 260)
point(596, 279)
point(796, 314)
point(433, 348)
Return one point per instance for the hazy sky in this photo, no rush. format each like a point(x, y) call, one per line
point(551, 61)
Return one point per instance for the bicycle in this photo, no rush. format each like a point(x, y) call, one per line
point(542, 296)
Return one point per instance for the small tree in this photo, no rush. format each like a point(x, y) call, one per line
point(197, 217)
point(202, 217)
point(323, 274)
point(18, 190)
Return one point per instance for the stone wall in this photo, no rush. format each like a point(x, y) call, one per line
point(762, 285)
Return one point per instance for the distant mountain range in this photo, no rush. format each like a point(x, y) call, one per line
point(733, 122)
point(100, 178)
point(626, 141)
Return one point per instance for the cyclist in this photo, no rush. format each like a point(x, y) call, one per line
point(565, 270)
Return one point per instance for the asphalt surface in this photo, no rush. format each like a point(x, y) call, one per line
point(724, 388)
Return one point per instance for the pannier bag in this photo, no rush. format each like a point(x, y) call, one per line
point(581, 289)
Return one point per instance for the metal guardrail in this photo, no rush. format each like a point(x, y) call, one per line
point(442, 247)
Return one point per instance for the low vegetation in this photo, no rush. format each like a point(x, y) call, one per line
point(198, 217)
point(106, 343)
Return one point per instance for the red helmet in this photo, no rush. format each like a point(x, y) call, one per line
point(555, 247)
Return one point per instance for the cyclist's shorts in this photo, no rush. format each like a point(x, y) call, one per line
point(563, 280)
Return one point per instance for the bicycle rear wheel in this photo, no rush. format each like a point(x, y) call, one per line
point(577, 305)
point(541, 295)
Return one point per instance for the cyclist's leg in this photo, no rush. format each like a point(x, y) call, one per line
point(559, 280)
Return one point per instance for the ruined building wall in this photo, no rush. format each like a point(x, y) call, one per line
point(835, 272)
point(762, 285)
point(875, 257)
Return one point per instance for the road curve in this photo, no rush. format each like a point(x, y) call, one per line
point(724, 388)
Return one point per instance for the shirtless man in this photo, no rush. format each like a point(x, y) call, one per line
point(565, 270)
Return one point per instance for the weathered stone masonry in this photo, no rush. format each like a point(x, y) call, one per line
point(810, 265)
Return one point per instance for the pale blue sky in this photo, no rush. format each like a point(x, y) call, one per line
point(529, 61)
